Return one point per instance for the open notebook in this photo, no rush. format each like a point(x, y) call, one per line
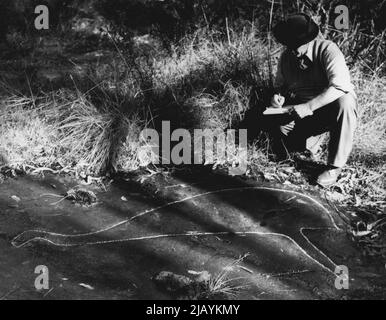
point(272, 110)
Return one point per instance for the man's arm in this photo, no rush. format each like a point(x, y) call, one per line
point(339, 81)
point(326, 97)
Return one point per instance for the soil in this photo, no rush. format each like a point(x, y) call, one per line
point(179, 223)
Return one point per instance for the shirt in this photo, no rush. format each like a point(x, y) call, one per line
point(322, 66)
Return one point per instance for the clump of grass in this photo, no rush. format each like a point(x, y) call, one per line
point(370, 135)
point(65, 128)
point(223, 285)
point(24, 136)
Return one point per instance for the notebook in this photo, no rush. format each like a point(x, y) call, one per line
point(272, 110)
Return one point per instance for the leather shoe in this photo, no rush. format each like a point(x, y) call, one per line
point(328, 177)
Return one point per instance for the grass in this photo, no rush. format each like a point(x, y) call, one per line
point(64, 129)
point(94, 124)
point(223, 285)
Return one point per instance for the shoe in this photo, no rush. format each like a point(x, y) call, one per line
point(328, 177)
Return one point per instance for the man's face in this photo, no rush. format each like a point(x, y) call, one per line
point(300, 54)
point(300, 51)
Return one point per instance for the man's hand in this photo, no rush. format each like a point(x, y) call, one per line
point(277, 101)
point(302, 110)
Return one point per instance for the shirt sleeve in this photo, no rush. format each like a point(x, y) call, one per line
point(337, 71)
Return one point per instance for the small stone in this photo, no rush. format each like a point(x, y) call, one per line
point(172, 282)
point(16, 198)
point(87, 286)
point(203, 277)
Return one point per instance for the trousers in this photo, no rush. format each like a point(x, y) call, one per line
point(339, 118)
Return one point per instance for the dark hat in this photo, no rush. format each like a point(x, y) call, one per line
point(296, 30)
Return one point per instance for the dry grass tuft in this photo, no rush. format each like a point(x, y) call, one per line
point(64, 129)
point(223, 284)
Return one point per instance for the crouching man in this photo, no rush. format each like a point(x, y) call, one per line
point(313, 82)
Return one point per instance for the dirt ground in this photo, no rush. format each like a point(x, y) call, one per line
point(188, 225)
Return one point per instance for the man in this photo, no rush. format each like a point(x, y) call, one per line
point(314, 81)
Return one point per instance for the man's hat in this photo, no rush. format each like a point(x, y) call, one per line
point(296, 30)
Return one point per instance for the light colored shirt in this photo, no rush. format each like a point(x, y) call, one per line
point(322, 66)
